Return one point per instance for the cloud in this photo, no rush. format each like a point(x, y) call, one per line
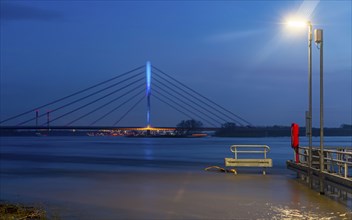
point(230, 36)
point(12, 12)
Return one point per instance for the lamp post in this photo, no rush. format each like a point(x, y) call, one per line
point(309, 112)
point(310, 117)
point(318, 33)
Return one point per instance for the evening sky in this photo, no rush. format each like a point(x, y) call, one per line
point(237, 53)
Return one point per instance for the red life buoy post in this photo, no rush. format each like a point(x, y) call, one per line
point(295, 139)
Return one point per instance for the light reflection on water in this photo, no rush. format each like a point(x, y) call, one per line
point(288, 213)
point(159, 178)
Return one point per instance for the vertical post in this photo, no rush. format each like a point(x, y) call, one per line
point(36, 117)
point(319, 40)
point(36, 120)
point(148, 90)
point(310, 102)
point(48, 119)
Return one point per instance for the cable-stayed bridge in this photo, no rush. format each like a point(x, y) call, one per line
point(106, 104)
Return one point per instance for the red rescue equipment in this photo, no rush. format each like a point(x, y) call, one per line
point(295, 139)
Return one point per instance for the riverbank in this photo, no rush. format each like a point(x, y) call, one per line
point(278, 131)
point(19, 211)
point(272, 131)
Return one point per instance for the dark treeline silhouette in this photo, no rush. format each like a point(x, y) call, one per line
point(186, 127)
point(230, 129)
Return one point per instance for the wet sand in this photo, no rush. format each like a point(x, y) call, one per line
point(176, 195)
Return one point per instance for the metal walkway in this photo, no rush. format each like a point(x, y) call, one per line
point(337, 172)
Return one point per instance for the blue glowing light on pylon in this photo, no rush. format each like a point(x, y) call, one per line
point(148, 76)
point(148, 79)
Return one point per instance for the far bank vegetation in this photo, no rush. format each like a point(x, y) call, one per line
point(230, 129)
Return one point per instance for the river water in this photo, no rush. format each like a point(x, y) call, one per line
point(157, 178)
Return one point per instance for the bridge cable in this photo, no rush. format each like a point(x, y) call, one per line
point(129, 110)
point(102, 106)
point(165, 91)
point(203, 96)
point(185, 97)
point(82, 98)
point(199, 100)
point(108, 113)
point(96, 100)
point(173, 107)
point(71, 95)
point(185, 108)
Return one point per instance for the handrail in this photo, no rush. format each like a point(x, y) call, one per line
point(336, 159)
point(234, 149)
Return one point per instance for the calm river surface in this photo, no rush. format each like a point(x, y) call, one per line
point(157, 178)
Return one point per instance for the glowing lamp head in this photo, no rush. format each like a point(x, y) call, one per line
point(297, 23)
point(295, 26)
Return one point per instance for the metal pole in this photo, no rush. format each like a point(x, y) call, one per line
point(36, 118)
point(310, 102)
point(48, 120)
point(319, 40)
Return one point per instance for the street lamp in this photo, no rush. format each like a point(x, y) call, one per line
point(318, 38)
point(301, 23)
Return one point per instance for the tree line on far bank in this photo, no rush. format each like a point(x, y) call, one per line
point(230, 129)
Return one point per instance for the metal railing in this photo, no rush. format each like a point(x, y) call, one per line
point(250, 160)
point(337, 160)
point(255, 149)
